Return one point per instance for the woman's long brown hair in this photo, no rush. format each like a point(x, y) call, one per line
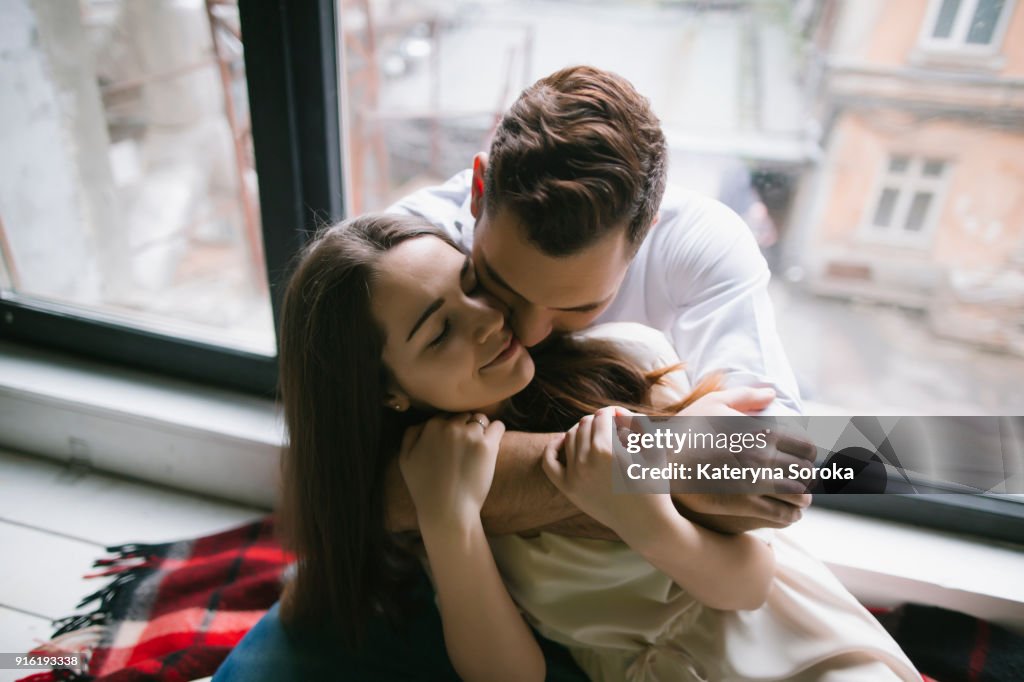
point(341, 438)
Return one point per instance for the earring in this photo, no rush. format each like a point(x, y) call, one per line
point(396, 407)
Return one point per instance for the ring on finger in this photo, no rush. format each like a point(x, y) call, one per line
point(478, 420)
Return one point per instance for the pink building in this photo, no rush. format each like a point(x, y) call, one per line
point(919, 197)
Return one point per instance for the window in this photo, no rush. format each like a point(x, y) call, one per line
point(422, 84)
point(132, 224)
point(972, 25)
point(137, 117)
point(908, 200)
point(425, 82)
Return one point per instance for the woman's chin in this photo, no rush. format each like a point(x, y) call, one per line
point(519, 377)
point(523, 372)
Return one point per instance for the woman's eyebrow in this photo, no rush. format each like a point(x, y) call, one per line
point(431, 309)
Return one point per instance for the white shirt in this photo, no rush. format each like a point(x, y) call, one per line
point(698, 277)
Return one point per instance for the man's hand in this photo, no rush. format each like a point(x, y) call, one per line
point(743, 400)
point(740, 513)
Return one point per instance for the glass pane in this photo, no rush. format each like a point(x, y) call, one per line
point(983, 24)
point(918, 211)
point(730, 89)
point(886, 204)
point(127, 186)
point(933, 168)
point(946, 19)
point(898, 164)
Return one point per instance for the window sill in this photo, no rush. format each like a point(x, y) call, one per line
point(957, 58)
point(226, 445)
point(148, 427)
point(886, 563)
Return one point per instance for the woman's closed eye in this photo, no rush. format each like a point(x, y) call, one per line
point(471, 287)
point(442, 336)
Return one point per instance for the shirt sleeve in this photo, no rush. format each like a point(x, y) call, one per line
point(722, 317)
point(445, 205)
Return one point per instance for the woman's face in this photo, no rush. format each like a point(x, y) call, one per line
point(448, 347)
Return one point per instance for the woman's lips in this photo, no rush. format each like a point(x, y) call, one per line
point(510, 348)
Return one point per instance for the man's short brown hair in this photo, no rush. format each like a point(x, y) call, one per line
point(579, 153)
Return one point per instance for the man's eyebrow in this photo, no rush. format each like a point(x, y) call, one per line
point(431, 309)
point(585, 308)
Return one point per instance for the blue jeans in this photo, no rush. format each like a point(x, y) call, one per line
point(413, 652)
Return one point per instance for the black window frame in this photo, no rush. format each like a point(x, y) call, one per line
point(292, 78)
point(987, 517)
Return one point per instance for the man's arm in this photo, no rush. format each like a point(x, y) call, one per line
point(716, 295)
point(716, 287)
point(522, 499)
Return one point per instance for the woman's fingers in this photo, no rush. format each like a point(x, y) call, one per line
point(604, 428)
point(584, 430)
point(480, 419)
point(569, 448)
point(552, 467)
point(492, 435)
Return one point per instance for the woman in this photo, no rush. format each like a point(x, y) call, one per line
point(389, 350)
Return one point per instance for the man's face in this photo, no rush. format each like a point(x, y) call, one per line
point(545, 293)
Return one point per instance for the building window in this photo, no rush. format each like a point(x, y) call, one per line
point(971, 25)
point(907, 200)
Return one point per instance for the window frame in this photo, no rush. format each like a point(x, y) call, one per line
point(981, 516)
point(292, 80)
point(957, 42)
point(907, 185)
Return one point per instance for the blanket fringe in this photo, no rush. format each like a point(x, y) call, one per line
point(82, 633)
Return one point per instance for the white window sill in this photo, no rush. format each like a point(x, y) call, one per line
point(226, 445)
point(886, 563)
point(149, 427)
point(957, 57)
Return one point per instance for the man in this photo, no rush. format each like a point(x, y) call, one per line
point(567, 226)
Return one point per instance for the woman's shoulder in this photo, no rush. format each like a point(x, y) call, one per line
point(646, 346)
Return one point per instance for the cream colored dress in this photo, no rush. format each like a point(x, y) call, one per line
point(622, 619)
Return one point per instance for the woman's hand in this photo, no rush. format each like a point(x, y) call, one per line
point(448, 465)
point(586, 479)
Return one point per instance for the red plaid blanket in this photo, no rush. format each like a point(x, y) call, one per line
point(174, 611)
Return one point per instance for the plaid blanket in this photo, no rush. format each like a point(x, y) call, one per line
point(174, 611)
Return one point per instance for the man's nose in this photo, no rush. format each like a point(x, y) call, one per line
point(490, 321)
point(531, 325)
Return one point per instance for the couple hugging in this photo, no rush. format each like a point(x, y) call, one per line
point(450, 373)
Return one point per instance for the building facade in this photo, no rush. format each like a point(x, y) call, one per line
point(919, 198)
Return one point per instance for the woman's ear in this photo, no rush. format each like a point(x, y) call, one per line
point(397, 401)
point(476, 187)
